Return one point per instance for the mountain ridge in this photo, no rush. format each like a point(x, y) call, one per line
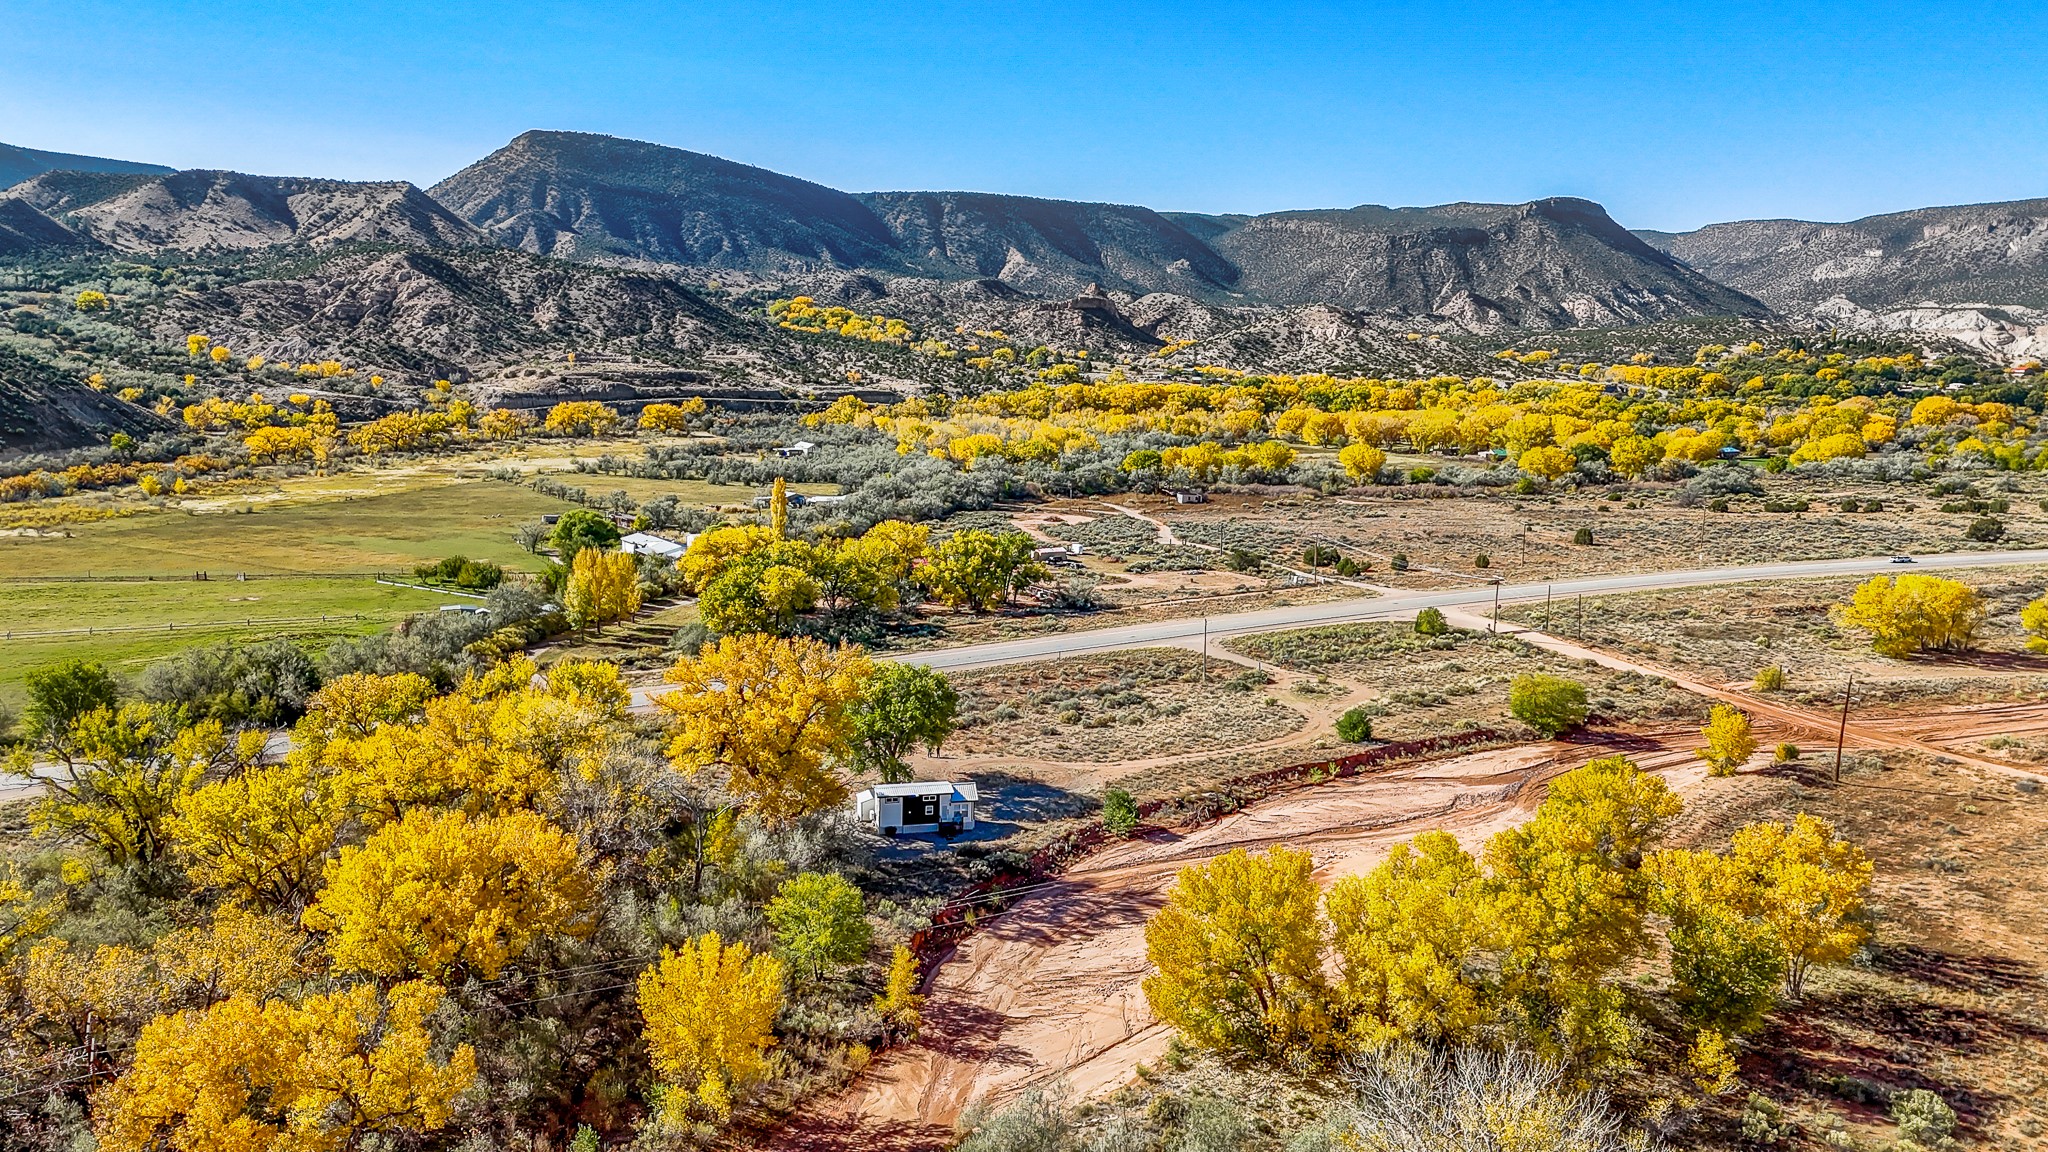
point(18, 164)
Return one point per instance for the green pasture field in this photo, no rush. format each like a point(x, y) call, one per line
point(293, 530)
point(204, 612)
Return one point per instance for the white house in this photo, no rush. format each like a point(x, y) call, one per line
point(919, 806)
point(648, 544)
point(800, 448)
point(1056, 553)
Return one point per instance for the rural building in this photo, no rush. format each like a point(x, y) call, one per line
point(1056, 553)
point(800, 448)
point(648, 544)
point(920, 806)
point(1190, 495)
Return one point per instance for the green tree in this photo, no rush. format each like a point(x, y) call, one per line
point(820, 921)
point(1431, 622)
point(980, 570)
point(900, 707)
point(1725, 962)
point(580, 528)
point(1119, 812)
point(58, 694)
point(1355, 725)
point(1552, 705)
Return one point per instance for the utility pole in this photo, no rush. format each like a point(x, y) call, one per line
point(1495, 626)
point(1582, 617)
point(1546, 607)
point(1205, 649)
point(1842, 733)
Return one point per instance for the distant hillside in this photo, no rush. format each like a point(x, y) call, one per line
point(578, 195)
point(18, 164)
point(1973, 253)
point(42, 408)
point(1549, 264)
point(25, 231)
point(200, 210)
point(1976, 274)
point(1557, 263)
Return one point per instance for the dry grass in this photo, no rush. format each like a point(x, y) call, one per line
point(1115, 707)
point(1731, 632)
point(1417, 686)
point(1530, 537)
point(1951, 994)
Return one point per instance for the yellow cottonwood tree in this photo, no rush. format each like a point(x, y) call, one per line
point(264, 836)
point(899, 1003)
point(1238, 951)
point(438, 891)
point(242, 953)
point(1571, 903)
point(768, 712)
point(248, 1076)
point(1405, 935)
point(1362, 461)
point(1729, 742)
point(1915, 614)
point(1809, 886)
point(603, 587)
point(710, 1011)
point(123, 772)
point(580, 418)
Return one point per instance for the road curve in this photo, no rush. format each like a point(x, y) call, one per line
point(1179, 633)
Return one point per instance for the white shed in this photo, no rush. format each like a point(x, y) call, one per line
point(918, 806)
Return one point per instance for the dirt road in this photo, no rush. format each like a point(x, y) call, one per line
point(1051, 989)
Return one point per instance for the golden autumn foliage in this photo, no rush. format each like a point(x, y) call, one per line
point(767, 712)
point(261, 837)
point(439, 891)
point(673, 418)
point(603, 587)
point(1729, 742)
point(241, 953)
point(122, 773)
point(580, 418)
point(899, 1002)
point(23, 917)
point(1915, 613)
point(253, 1076)
point(1809, 886)
point(1238, 950)
point(1362, 461)
point(498, 743)
point(1405, 935)
point(710, 1009)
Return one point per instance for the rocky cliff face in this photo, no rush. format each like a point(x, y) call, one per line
point(1049, 247)
point(44, 408)
point(203, 210)
point(1959, 273)
point(24, 231)
point(450, 313)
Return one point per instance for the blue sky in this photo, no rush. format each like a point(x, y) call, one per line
point(1673, 115)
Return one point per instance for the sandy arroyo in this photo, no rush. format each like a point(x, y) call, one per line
point(1050, 990)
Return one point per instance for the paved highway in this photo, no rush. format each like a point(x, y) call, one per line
point(1187, 632)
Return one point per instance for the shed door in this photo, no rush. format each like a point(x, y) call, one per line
point(920, 809)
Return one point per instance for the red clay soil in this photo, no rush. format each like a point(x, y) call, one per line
point(1050, 989)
